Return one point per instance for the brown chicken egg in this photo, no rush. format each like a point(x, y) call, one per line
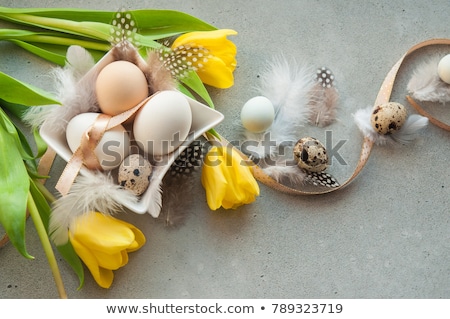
point(120, 86)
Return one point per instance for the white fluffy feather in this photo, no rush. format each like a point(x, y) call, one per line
point(257, 145)
point(425, 84)
point(79, 60)
point(96, 192)
point(287, 86)
point(286, 174)
point(155, 191)
point(362, 120)
point(407, 133)
point(76, 97)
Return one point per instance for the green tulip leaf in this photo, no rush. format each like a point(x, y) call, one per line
point(185, 91)
point(33, 173)
point(195, 84)
point(94, 30)
point(41, 147)
point(19, 140)
point(52, 46)
point(152, 22)
point(15, 91)
point(73, 260)
point(65, 13)
point(23, 146)
point(57, 53)
point(14, 188)
point(164, 23)
point(40, 143)
point(22, 142)
point(15, 109)
point(50, 56)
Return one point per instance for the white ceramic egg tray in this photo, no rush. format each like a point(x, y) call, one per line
point(203, 119)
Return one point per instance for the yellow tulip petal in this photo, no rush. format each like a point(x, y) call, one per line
point(103, 242)
point(110, 261)
point(215, 186)
point(103, 277)
point(216, 73)
point(211, 54)
point(244, 175)
point(248, 182)
point(124, 258)
point(227, 179)
point(111, 235)
point(203, 37)
point(225, 51)
point(213, 179)
point(139, 239)
point(243, 179)
point(230, 204)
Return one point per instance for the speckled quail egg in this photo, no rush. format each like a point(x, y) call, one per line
point(310, 154)
point(388, 118)
point(134, 174)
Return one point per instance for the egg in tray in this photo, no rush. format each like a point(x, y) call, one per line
point(136, 129)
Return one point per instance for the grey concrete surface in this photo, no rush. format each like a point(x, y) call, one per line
point(387, 235)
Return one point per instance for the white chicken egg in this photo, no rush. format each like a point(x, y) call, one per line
point(257, 114)
point(163, 123)
point(444, 69)
point(112, 148)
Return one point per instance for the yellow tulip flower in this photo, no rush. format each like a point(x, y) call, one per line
point(227, 179)
point(210, 54)
point(103, 243)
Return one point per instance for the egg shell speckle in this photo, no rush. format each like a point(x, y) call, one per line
point(310, 154)
point(388, 118)
point(134, 174)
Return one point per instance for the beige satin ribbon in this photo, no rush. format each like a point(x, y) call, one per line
point(383, 96)
point(422, 112)
point(45, 163)
point(85, 154)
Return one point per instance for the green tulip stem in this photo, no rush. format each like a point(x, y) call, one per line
point(214, 133)
point(95, 30)
point(40, 228)
point(45, 192)
point(48, 39)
